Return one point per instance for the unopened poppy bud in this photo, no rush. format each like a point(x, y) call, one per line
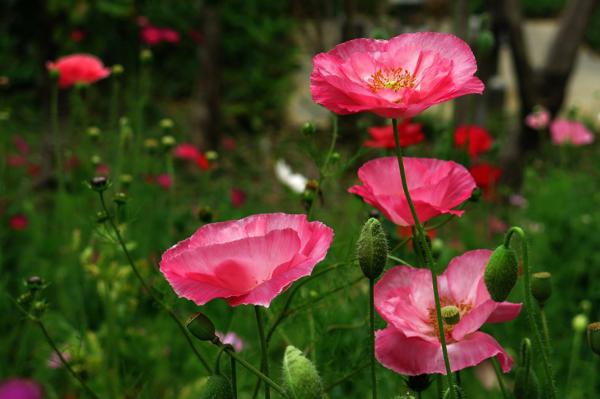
point(99, 183)
point(475, 195)
point(527, 385)
point(579, 323)
point(541, 287)
point(372, 249)
point(216, 387)
point(39, 308)
point(501, 273)
point(485, 40)
point(300, 377)
point(168, 141)
point(205, 214)
point(166, 124)
point(35, 283)
point(151, 145)
point(93, 133)
point(96, 160)
point(126, 180)
point(450, 314)
point(593, 331)
point(101, 217)
point(211, 155)
point(145, 55)
point(120, 198)
point(419, 383)
point(201, 327)
point(458, 393)
point(335, 156)
point(308, 129)
point(117, 69)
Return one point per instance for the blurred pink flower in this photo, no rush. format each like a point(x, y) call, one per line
point(164, 180)
point(565, 131)
point(246, 261)
point(18, 222)
point(15, 160)
point(237, 197)
point(196, 36)
point(151, 35)
point(410, 343)
point(396, 78)
point(77, 35)
point(190, 152)
point(538, 119)
point(435, 186)
point(54, 360)
point(383, 136)
point(497, 225)
point(232, 339)
point(103, 170)
point(20, 388)
point(518, 200)
point(476, 138)
point(78, 68)
point(170, 35)
point(21, 145)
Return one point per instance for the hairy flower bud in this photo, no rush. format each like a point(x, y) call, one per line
point(501, 273)
point(593, 332)
point(541, 287)
point(301, 379)
point(372, 249)
point(216, 387)
point(308, 129)
point(450, 314)
point(201, 327)
point(419, 383)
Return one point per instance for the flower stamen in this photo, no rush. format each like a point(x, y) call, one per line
point(391, 78)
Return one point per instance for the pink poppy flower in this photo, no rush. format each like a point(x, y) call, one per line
point(396, 78)
point(164, 180)
point(170, 35)
point(246, 261)
point(186, 151)
point(151, 35)
point(383, 136)
point(77, 35)
point(103, 170)
point(476, 138)
point(78, 68)
point(435, 186)
point(232, 339)
point(18, 222)
point(16, 161)
point(21, 145)
point(538, 119)
point(20, 388)
point(573, 132)
point(410, 343)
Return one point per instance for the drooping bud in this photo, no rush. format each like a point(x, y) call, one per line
point(418, 383)
point(579, 323)
point(35, 283)
point(308, 129)
point(300, 377)
point(372, 249)
point(450, 314)
point(501, 273)
point(216, 387)
point(526, 382)
point(93, 133)
point(593, 331)
point(201, 327)
point(541, 287)
point(99, 183)
point(458, 393)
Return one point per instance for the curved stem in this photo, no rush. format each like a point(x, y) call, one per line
point(529, 306)
point(51, 342)
point(401, 261)
point(254, 371)
point(147, 288)
point(429, 258)
point(263, 346)
point(334, 136)
point(372, 328)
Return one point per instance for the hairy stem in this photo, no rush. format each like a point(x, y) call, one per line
point(263, 346)
point(372, 331)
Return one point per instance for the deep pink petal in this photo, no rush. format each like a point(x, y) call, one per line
point(465, 273)
point(506, 311)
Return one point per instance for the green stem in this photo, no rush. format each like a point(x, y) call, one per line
point(147, 288)
point(114, 104)
point(233, 377)
point(334, 136)
point(575, 348)
point(545, 330)
point(54, 125)
point(429, 259)
point(263, 346)
point(529, 307)
point(51, 342)
point(401, 261)
point(253, 370)
point(346, 377)
point(499, 377)
point(372, 328)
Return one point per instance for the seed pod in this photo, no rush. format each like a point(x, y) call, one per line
point(300, 377)
point(216, 387)
point(501, 273)
point(201, 327)
point(541, 287)
point(372, 249)
point(594, 337)
point(450, 314)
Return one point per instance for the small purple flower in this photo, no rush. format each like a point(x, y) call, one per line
point(518, 200)
point(232, 339)
point(20, 388)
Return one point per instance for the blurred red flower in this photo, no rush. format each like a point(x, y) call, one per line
point(486, 175)
point(18, 222)
point(475, 138)
point(383, 136)
point(78, 68)
point(238, 197)
point(164, 180)
point(77, 35)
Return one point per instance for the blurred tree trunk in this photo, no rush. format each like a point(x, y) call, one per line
point(462, 105)
point(206, 112)
point(546, 86)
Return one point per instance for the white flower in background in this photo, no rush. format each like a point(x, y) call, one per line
point(295, 181)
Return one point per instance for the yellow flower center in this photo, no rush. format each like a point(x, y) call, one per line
point(463, 309)
point(391, 78)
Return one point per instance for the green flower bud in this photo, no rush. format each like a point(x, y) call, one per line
point(541, 287)
point(201, 327)
point(586, 306)
point(211, 155)
point(437, 246)
point(145, 55)
point(168, 141)
point(501, 273)
point(99, 183)
point(35, 283)
point(301, 379)
point(419, 383)
point(166, 124)
point(39, 308)
point(96, 160)
point(25, 298)
point(120, 198)
point(372, 249)
point(117, 70)
point(579, 323)
point(527, 385)
point(93, 133)
point(458, 393)
point(308, 129)
point(485, 41)
point(335, 156)
point(594, 337)
point(450, 314)
point(216, 387)
point(126, 180)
